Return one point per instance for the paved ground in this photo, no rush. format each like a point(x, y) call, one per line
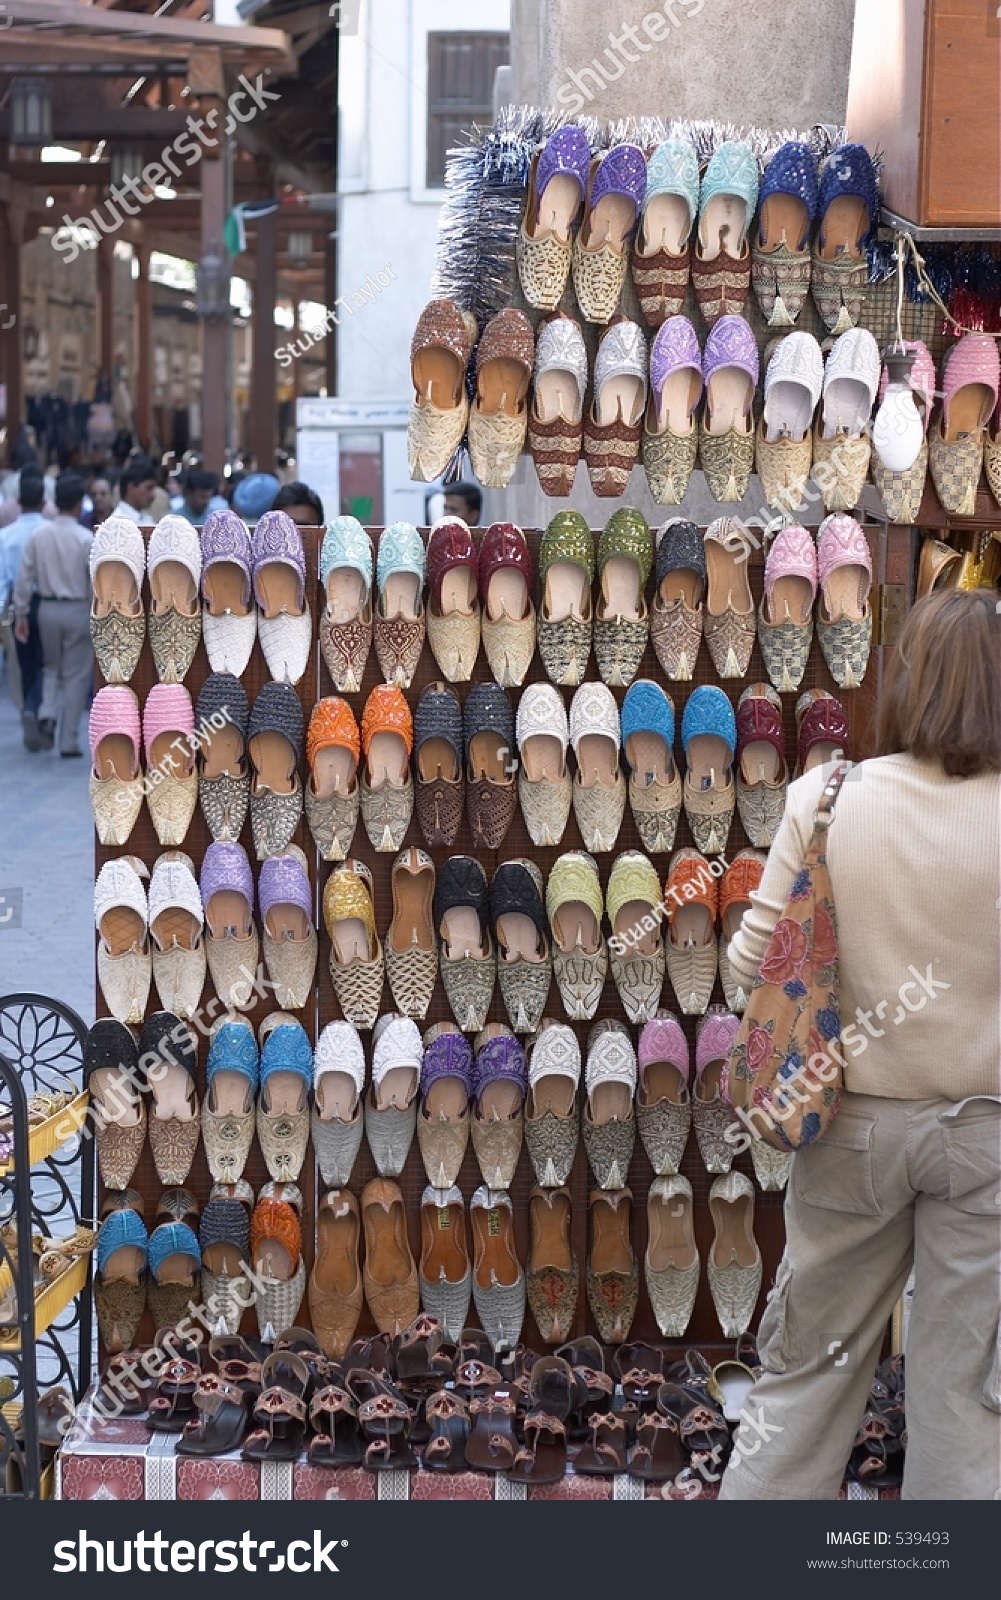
point(46, 852)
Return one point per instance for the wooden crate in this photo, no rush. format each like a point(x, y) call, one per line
point(925, 89)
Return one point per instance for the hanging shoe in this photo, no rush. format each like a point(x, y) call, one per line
point(671, 1266)
point(676, 619)
point(446, 1272)
point(614, 425)
point(117, 614)
point(400, 622)
point(734, 1262)
point(971, 378)
point(171, 780)
point(600, 251)
point(387, 784)
point(721, 265)
point(612, 1271)
point(726, 426)
point(729, 619)
point(566, 573)
point(116, 778)
point(121, 916)
point(521, 937)
point(711, 1113)
point(848, 208)
point(654, 780)
point(332, 797)
point(174, 564)
point(575, 906)
point(762, 771)
point(662, 256)
point(285, 621)
point(841, 448)
point(336, 1291)
point(780, 253)
point(444, 1116)
point(556, 188)
point(709, 735)
point(785, 618)
point(498, 414)
point(338, 1085)
point(223, 768)
point(392, 1292)
point(283, 1103)
point(356, 958)
point(453, 602)
point(276, 1253)
point(111, 1074)
point(556, 418)
point(229, 615)
point(663, 1101)
point(120, 1279)
point(609, 1119)
point(231, 944)
point(599, 789)
point(275, 737)
point(784, 442)
point(691, 936)
point(391, 1103)
point(224, 1242)
point(553, 1276)
point(552, 1122)
point(622, 620)
point(467, 961)
point(500, 1083)
point(901, 483)
point(491, 793)
point(635, 910)
point(439, 356)
point(739, 882)
point(285, 900)
point(844, 615)
point(822, 731)
point(670, 434)
point(177, 928)
point(544, 785)
point(508, 622)
point(346, 623)
point(411, 948)
point(228, 1113)
point(438, 762)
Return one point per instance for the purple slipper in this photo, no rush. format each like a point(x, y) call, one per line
point(450, 1055)
point(284, 881)
point(621, 171)
point(730, 344)
point(675, 348)
point(225, 538)
point(567, 153)
point(500, 1058)
point(226, 869)
point(278, 540)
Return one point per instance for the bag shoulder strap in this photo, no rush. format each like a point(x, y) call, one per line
point(824, 814)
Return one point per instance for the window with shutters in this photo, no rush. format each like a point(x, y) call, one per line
point(461, 69)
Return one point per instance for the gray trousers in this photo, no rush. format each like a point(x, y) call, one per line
point(893, 1183)
point(68, 669)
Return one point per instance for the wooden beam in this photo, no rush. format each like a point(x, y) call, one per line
point(70, 14)
point(74, 124)
point(263, 417)
point(214, 335)
point(11, 368)
point(106, 307)
point(144, 348)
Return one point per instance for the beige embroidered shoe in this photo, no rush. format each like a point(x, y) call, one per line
point(575, 906)
point(387, 785)
point(356, 959)
point(444, 1117)
point(635, 911)
point(762, 770)
point(556, 187)
point(121, 915)
point(771, 1167)
point(285, 896)
point(663, 1101)
point(338, 1086)
point(333, 797)
point(566, 572)
point(467, 960)
point(439, 355)
point(177, 929)
point(690, 895)
point(600, 251)
point(500, 1081)
point(231, 943)
point(709, 736)
point(228, 1114)
point(411, 950)
point(389, 1273)
point(498, 1276)
point(453, 615)
point(391, 1103)
point(336, 1292)
point(117, 615)
point(553, 1273)
point(552, 1121)
point(174, 563)
point(609, 1112)
point(734, 1264)
point(544, 785)
point(729, 619)
point(498, 415)
point(116, 779)
point(672, 1262)
point(599, 788)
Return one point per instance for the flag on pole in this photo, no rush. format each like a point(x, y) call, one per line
point(234, 235)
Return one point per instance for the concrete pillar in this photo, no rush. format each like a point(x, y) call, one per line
point(215, 343)
point(263, 402)
point(11, 312)
point(776, 63)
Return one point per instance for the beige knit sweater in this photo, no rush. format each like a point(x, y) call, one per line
point(915, 868)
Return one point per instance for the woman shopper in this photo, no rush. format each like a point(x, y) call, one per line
point(909, 1173)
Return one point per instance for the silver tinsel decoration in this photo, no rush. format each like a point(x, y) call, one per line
point(486, 181)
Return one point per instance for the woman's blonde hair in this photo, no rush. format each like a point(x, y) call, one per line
point(943, 695)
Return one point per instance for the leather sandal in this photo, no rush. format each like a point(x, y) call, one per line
point(657, 1455)
point(222, 1419)
point(385, 1422)
point(448, 1417)
point(173, 1404)
point(543, 1458)
point(337, 1441)
point(422, 1358)
point(280, 1411)
point(605, 1452)
point(492, 1445)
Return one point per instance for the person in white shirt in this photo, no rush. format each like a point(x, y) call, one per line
point(137, 486)
point(56, 564)
point(13, 538)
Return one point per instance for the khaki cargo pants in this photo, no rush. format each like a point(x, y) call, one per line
point(894, 1183)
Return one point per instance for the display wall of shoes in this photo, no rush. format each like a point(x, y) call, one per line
point(459, 894)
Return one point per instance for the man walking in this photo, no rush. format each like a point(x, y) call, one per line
point(56, 563)
point(13, 538)
point(137, 486)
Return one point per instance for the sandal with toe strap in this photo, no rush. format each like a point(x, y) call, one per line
point(657, 1456)
point(422, 1354)
point(385, 1422)
point(543, 1458)
point(337, 1441)
point(173, 1404)
point(448, 1417)
point(705, 1435)
point(280, 1410)
point(605, 1452)
point(492, 1445)
point(222, 1419)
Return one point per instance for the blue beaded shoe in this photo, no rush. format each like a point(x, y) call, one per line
point(780, 256)
point(399, 622)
